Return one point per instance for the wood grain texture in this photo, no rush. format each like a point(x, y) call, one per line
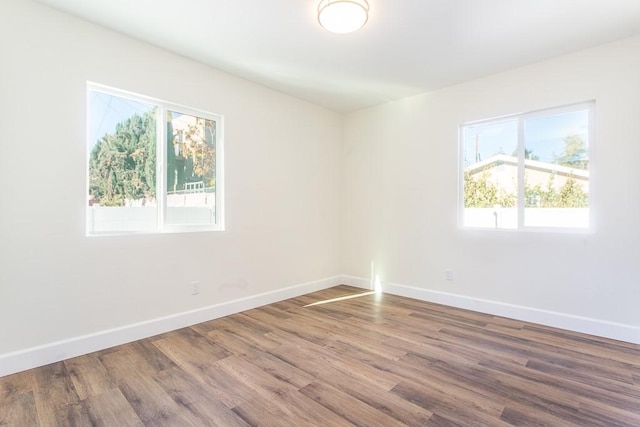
point(371, 360)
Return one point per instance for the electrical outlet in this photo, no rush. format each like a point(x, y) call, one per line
point(448, 275)
point(195, 287)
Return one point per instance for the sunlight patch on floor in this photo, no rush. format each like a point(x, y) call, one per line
point(328, 301)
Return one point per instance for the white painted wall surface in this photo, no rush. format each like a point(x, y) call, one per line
point(282, 178)
point(401, 196)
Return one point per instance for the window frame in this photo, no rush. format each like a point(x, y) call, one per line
point(161, 162)
point(521, 118)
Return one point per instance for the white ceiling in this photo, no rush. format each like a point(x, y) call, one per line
point(407, 47)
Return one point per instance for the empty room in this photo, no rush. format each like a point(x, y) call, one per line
point(320, 213)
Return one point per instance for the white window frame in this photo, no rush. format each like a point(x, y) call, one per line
point(161, 162)
point(521, 118)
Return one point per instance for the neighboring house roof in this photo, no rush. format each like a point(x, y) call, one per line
point(500, 159)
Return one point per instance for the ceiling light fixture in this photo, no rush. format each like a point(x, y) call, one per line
point(343, 16)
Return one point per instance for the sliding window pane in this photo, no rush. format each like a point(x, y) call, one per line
point(122, 165)
point(557, 170)
point(491, 175)
point(191, 169)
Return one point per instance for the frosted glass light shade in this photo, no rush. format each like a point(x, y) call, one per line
point(343, 16)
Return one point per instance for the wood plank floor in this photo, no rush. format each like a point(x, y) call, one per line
point(370, 360)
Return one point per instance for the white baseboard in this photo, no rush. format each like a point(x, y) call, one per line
point(597, 327)
point(54, 352)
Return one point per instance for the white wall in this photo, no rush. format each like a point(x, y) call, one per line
point(282, 163)
point(400, 202)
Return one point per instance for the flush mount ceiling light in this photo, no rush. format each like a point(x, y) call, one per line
point(343, 16)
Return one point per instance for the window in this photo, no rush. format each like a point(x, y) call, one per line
point(529, 171)
point(152, 166)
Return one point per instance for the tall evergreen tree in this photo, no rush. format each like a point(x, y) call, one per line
point(122, 166)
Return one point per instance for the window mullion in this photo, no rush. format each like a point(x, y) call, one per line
point(161, 172)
